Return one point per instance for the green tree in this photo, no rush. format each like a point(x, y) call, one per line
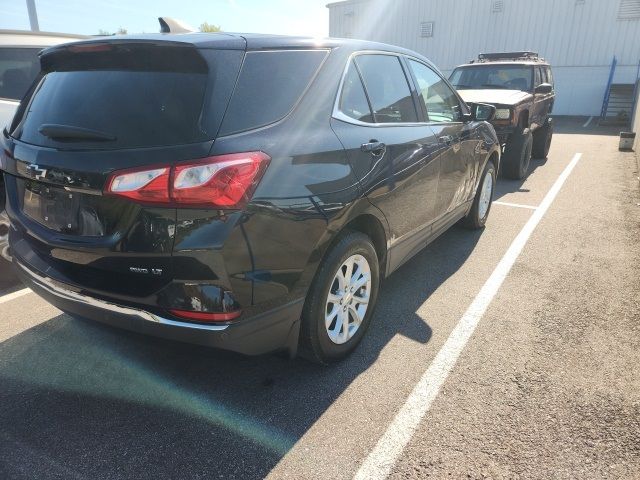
point(208, 27)
point(119, 31)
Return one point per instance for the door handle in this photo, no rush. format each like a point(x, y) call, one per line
point(446, 139)
point(374, 147)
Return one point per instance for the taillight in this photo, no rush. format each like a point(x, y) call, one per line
point(223, 181)
point(142, 185)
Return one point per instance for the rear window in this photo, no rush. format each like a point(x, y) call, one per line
point(270, 85)
point(139, 97)
point(18, 68)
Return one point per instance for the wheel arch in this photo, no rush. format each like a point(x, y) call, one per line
point(362, 217)
point(523, 118)
point(372, 227)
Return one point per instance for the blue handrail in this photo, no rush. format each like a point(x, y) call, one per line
point(635, 94)
point(607, 92)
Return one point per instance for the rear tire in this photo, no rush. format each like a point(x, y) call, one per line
point(542, 140)
point(333, 298)
point(517, 155)
point(477, 216)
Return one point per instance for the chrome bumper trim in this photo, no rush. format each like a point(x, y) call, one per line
point(55, 289)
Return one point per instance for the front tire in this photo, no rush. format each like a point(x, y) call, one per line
point(341, 300)
point(477, 216)
point(517, 155)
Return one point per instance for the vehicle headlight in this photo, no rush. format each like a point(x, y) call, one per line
point(503, 114)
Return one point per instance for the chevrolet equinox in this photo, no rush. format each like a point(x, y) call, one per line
point(246, 192)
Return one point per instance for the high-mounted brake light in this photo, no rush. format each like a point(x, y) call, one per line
point(223, 181)
point(91, 47)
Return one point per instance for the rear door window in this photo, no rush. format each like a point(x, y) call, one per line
point(18, 68)
point(388, 88)
point(269, 86)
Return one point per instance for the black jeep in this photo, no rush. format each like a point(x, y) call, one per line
point(520, 86)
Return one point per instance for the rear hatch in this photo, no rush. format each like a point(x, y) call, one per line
point(97, 108)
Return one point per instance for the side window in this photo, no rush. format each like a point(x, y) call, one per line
point(441, 102)
point(269, 86)
point(538, 76)
point(549, 75)
point(388, 89)
point(353, 100)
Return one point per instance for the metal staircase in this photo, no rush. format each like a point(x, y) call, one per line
point(619, 100)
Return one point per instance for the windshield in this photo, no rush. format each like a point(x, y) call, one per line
point(508, 77)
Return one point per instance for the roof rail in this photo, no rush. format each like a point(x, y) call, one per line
point(515, 56)
point(171, 25)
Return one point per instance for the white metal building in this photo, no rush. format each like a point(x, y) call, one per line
point(578, 37)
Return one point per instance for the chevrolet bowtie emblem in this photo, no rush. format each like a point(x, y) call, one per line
point(36, 172)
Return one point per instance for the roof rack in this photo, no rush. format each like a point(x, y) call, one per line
point(513, 56)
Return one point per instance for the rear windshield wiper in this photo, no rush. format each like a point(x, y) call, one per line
point(69, 132)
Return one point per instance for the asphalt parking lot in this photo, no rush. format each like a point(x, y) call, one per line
point(545, 384)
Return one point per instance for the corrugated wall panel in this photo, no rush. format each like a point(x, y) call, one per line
point(579, 39)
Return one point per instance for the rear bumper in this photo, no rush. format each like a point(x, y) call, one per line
point(270, 331)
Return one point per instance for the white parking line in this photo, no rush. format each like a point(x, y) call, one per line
point(13, 295)
point(380, 461)
point(587, 123)
point(517, 205)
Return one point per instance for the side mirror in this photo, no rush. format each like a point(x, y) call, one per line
point(544, 88)
point(481, 112)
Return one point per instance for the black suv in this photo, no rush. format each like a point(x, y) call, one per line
point(246, 192)
point(520, 86)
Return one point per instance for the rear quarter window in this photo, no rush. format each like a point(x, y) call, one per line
point(269, 86)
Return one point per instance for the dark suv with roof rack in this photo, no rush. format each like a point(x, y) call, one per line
point(246, 192)
point(520, 86)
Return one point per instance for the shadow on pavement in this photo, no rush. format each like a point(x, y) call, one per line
point(82, 400)
point(568, 125)
point(562, 126)
point(505, 186)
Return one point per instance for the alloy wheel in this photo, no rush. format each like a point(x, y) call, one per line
point(486, 193)
point(348, 299)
